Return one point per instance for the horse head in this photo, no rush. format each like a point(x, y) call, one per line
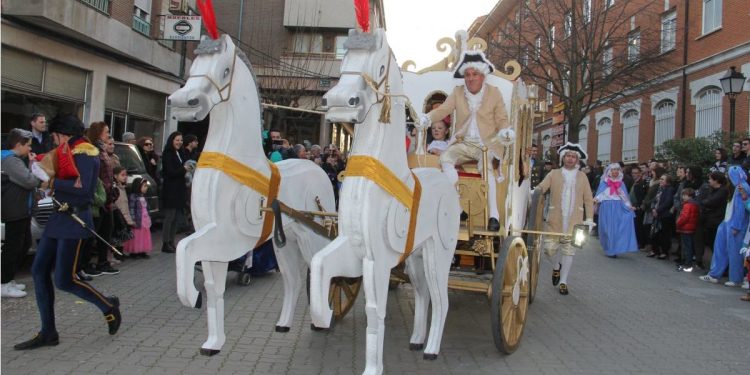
point(210, 80)
point(365, 77)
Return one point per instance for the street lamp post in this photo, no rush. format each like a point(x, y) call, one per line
point(732, 84)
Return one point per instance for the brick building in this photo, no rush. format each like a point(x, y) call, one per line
point(695, 42)
point(100, 59)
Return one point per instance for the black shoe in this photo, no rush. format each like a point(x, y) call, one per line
point(91, 271)
point(493, 225)
point(556, 276)
point(83, 276)
point(108, 270)
point(166, 248)
point(113, 316)
point(564, 289)
point(37, 342)
point(464, 216)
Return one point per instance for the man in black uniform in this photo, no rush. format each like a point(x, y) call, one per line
point(76, 171)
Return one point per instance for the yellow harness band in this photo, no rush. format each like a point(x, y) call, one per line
point(250, 178)
point(373, 170)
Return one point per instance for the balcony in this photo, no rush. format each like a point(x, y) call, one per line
point(86, 23)
point(100, 5)
point(141, 26)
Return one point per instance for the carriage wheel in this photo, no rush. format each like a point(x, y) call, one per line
point(534, 221)
point(510, 295)
point(343, 294)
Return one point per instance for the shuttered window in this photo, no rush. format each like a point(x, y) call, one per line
point(604, 141)
point(708, 112)
point(30, 72)
point(664, 121)
point(630, 136)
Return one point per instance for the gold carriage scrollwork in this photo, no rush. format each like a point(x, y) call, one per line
point(512, 69)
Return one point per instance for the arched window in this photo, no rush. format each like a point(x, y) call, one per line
point(583, 134)
point(708, 112)
point(664, 117)
point(630, 122)
point(604, 142)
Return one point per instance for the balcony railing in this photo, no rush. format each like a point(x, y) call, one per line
point(141, 26)
point(100, 5)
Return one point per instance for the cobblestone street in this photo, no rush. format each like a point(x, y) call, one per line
point(627, 315)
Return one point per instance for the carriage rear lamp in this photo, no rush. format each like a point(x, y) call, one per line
point(580, 234)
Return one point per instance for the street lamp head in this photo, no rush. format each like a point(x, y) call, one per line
point(732, 82)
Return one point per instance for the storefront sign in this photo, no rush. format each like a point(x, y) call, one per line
point(182, 27)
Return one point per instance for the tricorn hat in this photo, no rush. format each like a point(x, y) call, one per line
point(67, 124)
point(572, 147)
point(473, 59)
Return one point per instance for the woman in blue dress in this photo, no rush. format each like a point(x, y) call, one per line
point(616, 229)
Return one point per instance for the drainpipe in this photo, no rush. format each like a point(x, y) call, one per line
point(684, 88)
point(239, 26)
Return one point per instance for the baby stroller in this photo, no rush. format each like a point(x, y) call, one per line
point(253, 264)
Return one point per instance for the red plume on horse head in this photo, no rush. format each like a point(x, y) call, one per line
point(362, 10)
point(209, 18)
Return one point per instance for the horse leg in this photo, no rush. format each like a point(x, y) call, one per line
point(189, 251)
point(437, 263)
point(215, 274)
point(336, 259)
point(415, 269)
point(375, 280)
point(292, 266)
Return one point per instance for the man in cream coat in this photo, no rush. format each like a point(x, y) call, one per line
point(481, 120)
point(570, 200)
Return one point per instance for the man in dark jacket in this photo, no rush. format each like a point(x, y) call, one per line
point(41, 142)
point(637, 195)
point(76, 168)
point(18, 184)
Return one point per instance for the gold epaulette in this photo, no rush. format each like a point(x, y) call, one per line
point(86, 148)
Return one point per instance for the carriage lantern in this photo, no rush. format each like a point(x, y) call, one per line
point(580, 235)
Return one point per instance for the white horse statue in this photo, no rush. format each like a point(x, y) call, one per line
point(234, 180)
point(387, 212)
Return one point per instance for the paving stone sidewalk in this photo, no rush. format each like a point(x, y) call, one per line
point(631, 315)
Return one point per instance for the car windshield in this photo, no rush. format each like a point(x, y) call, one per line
point(130, 159)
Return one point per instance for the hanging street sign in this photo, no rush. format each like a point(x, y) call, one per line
point(182, 27)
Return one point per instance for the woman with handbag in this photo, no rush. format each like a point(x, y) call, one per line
point(663, 218)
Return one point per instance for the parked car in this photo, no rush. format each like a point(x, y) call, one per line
point(131, 160)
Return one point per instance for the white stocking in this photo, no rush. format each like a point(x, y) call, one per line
point(450, 171)
point(567, 262)
point(492, 195)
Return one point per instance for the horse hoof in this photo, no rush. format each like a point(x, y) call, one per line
point(282, 329)
point(209, 352)
point(415, 347)
point(317, 329)
point(199, 301)
point(429, 357)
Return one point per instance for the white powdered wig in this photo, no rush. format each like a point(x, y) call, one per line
point(476, 65)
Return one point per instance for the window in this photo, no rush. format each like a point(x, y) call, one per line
point(538, 47)
point(568, 24)
point(307, 43)
point(552, 37)
point(586, 11)
point(340, 50)
point(141, 16)
point(708, 111)
point(609, 3)
point(634, 46)
point(630, 122)
point(566, 82)
point(550, 90)
point(525, 57)
point(664, 115)
point(604, 141)
point(583, 135)
point(711, 15)
point(668, 31)
point(607, 61)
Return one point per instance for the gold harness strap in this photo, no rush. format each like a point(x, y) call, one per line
point(375, 171)
point(250, 178)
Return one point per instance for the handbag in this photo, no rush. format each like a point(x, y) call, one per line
point(656, 227)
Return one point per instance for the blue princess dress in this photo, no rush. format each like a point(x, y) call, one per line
point(616, 229)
